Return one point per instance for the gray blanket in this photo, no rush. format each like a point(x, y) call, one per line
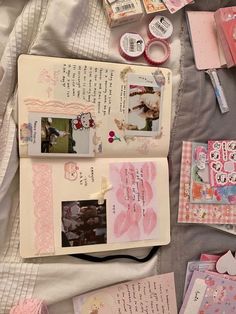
point(198, 118)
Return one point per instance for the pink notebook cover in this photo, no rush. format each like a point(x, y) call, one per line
point(208, 53)
point(199, 213)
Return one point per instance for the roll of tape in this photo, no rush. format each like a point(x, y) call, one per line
point(160, 27)
point(159, 44)
point(132, 46)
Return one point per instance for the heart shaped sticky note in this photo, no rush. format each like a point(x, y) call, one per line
point(226, 264)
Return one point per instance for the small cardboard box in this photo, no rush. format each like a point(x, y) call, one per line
point(120, 12)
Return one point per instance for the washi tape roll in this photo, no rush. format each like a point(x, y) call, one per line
point(160, 27)
point(132, 46)
point(157, 51)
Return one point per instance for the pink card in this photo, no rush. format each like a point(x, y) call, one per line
point(149, 295)
point(197, 265)
point(133, 202)
point(175, 5)
point(209, 293)
point(222, 163)
point(199, 213)
point(207, 50)
point(209, 257)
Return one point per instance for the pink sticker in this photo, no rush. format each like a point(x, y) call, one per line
point(133, 202)
point(43, 208)
point(222, 162)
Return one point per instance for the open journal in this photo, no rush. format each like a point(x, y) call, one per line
point(93, 143)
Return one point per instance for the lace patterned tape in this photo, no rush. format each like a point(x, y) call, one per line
point(43, 208)
point(30, 306)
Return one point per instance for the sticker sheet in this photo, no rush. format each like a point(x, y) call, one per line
point(222, 163)
point(152, 295)
point(201, 190)
point(199, 213)
point(209, 293)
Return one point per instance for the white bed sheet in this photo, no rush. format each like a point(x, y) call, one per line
point(75, 29)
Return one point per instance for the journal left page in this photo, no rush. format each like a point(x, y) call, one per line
point(92, 204)
point(81, 108)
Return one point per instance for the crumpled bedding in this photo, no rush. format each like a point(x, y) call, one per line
point(74, 29)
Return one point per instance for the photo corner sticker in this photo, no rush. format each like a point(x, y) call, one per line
point(61, 135)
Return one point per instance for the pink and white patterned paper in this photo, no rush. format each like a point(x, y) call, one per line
point(175, 5)
point(222, 162)
point(43, 208)
point(133, 202)
point(199, 213)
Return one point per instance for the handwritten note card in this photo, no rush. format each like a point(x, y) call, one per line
point(133, 202)
point(152, 295)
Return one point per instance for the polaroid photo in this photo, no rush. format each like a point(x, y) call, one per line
point(145, 96)
point(84, 222)
point(58, 135)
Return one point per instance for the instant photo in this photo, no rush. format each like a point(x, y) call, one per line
point(83, 223)
point(55, 135)
point(144, 105)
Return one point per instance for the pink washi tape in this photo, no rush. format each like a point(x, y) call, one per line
point(132, 46)
point(160, 27)
point(157, 51)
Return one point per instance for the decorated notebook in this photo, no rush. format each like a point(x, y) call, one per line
point(154, 294)
point(209, 293)
point(93, 142)
point(199, 202)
